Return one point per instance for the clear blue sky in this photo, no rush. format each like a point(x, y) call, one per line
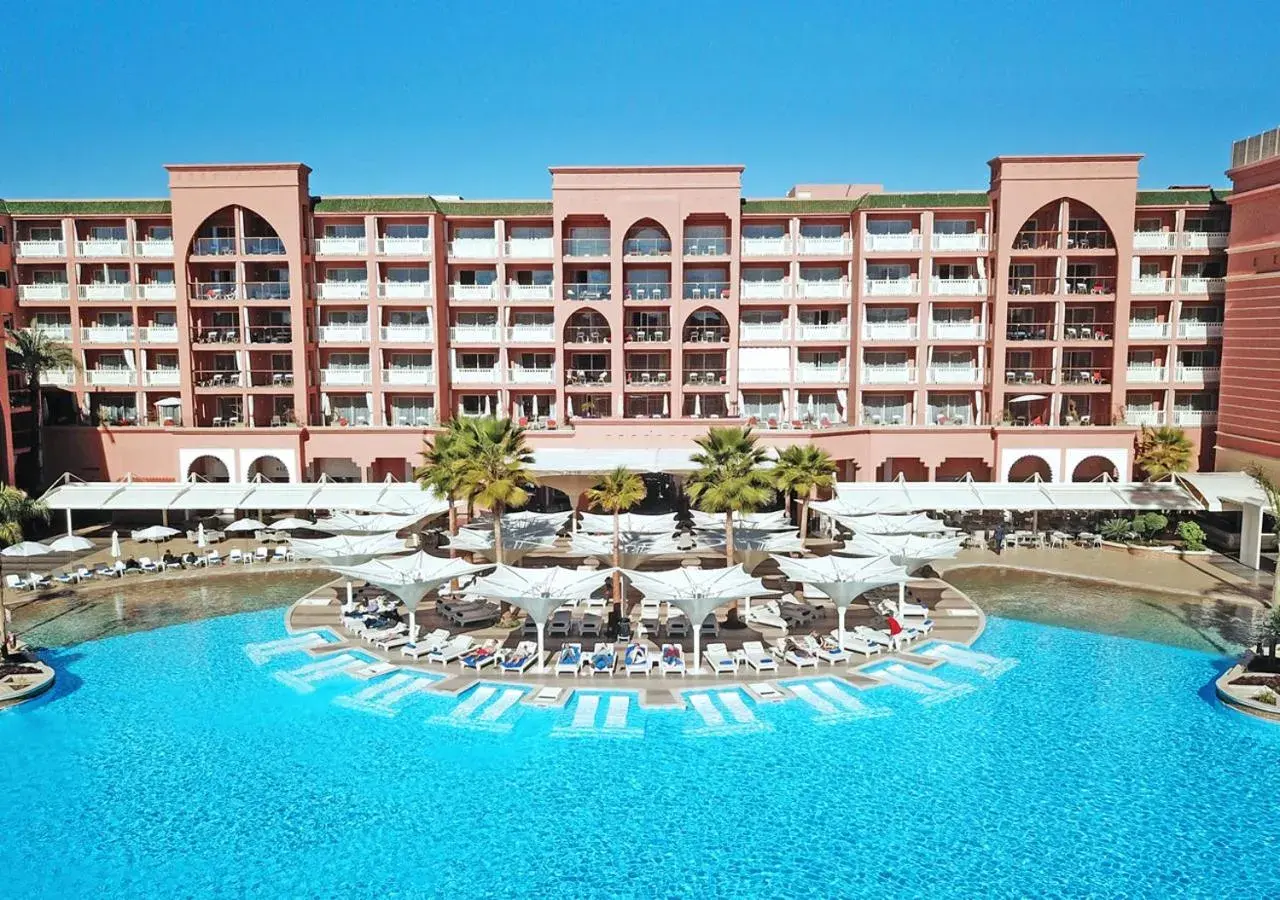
point(479, 98)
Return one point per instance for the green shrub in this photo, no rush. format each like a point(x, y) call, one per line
point(1267, 696)
point(1148, 525)
point(1191, 535)
point(1115, 529)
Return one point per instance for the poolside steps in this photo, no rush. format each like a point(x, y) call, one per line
point(984, 664)
point(386, 697)
point(488, 706)
point(303, 678)
point(606, 715)
point(929, 688)
point(919, 659)
point(833, 703)
point(721, 711)
point(259, 653)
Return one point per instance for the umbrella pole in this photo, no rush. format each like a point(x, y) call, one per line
point(350, 594)
point(697, 645)
point(902, 596)
point(542, 627)
point(69, 530)
point(4, 617)
point(840, 627)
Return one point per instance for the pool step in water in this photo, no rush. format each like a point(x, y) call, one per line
point(930, 688)
point(849, 706)
point(386, 697)
point(586, 720)
point(485, 707)
point(721, 712)
point(263, 651)
point(303, 678)
point(984, 664)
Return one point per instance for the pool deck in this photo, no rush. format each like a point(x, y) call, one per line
point(956, 619)
point(1243, 697)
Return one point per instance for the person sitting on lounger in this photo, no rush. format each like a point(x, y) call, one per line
point(169, 560)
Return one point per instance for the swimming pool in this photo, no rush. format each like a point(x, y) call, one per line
point(169, 763)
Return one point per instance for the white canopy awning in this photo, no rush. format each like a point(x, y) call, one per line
point(635, 523)
point(842, 578)
point(760, 521)
point(860, 498)
point(410, 577)
point(894, 523)
point(522, 534)
point(348, 549)
point(567, 461)
point(375, 523)
point(911, 551)
point(634, 548)
point(751, 546)
point(1224, 490)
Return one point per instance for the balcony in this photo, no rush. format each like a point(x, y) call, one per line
point(1195, 284)
point(706, 246)
point(890, 331)
point(825, 246)
point(342, 334)
point(215, 290)
point(416, 375)
point(58, 378)
point(1148, 331)
point(1205, 240)
point(53, 331)
point(219, 378)
point(404, 246)
point(154, 249)
point(823, 290)
point(522, 375)
point(57, 291)
point(340, 375)
point(1034, 286)
point(406, 334)
point(646, 247)
point(162, 378)
point(586, 247)
point(764, 290)
point(587, 377)
point(1030, 375)
point(41, 249)
point(473, 248)
point(581, 290)
point(959, 243)
point(891, 243)
point(1141, 415)
point(475, 376)
point(1087, 331)
point(97, 249)
point(531, 334)
point(1151, 374)
point(1193, 330)
point(1085, 375)
point(764, 331)
point(107, 334)
point(270, 378)
point(706, 290)
point(214, 246)
point(1089, 239)
point(1195, 417)
point(901, 374)
point(708, 334)
point(404, 290)
point(648, 377)
point(263, 246)
point(111, 377)
point(158, 334)
point(473, 292)
point(766, 246)
point(827, 331)
point(530, 248)
point(266, 290)
point(544, 292)
point(712, 378)
point(759, 375)
point(891, 287)
point(343, 290)
point(954, 374)
point(341, 246)
point(648, 333)
point(816, 373)
point(958, 287)
point(105, 291)
point(158, 291)
point(1148, 286)
point(1155, 240)
point(1197, 374)
point(878, 417)
point(474, 334)
point(957, 331)
point(1029, 331)
point(1090, 284)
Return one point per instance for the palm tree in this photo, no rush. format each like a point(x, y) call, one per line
point(803, 470)
point(493, 469)
point(34, 353)
point(617, 492)
point(16, 509)
point(441, 466)
point(1271, 490)
point(1164, 451)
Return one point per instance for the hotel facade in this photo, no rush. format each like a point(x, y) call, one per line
point(243, 327)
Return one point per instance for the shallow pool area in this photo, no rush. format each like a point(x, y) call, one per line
point(1096, 765)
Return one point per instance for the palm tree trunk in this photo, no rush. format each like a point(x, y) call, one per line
point(37, 444)
point(731, 619)
point(617, 563)
point(453, 517)
point(804, 516)
point(497, 533)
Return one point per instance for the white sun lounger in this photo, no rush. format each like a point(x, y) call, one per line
point(671, 662)
point(561, 622)
point(799, 653)
point(479, 657)
point(569, 660)
point(826, 649)
point(425, 645)
point(637, 660)
point(758, 658)
point(604, 659)
point(519, 659)
point(451, 649)
point(720, 659)
point(856, 644)
point(768, 615)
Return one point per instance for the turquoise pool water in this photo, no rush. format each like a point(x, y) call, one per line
point(169, 764)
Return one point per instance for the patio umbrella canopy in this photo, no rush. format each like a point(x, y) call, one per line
point(841, 578)
point(858, 506)
point(27, 548)
point(410, 577)
point(760, 521)
point(906, 523)
point(911, 551)
point(522, 534)
point(753, 546)
point(292, 524)
point(351, 523)
point(71, 543)
point(245, 525)
point(698, 592)
point(348, 549)
point(635, 523)
point(539, 591)
point(154, 533)
point(634, 547)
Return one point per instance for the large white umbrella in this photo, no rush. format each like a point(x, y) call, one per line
point(911, 551)
point(751, 546)
point(522, 534)
point(168, 402)
point(698, 592)
point(905, 523)
point(763, 521)
point(1027, 398)
point(410, 577)
point(859, 506)
point(348, 550)
point(201, 540)
point(71, 543)
point(351, 523)
point(634, 547)
point(245, 525)
point(291, 524)
point(154, 533)
point(27, 548)
point(841, 578)
point(115, 545)
point(635, 523)
point(539, 591)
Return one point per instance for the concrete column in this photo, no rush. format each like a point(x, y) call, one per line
point(1251, 535)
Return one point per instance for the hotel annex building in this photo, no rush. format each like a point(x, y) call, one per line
point(242, 326)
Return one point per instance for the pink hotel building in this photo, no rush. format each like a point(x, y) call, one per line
point(242, 326)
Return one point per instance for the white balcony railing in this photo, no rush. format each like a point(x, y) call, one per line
point(1145, 374)
point(766, 246)
point(888, 374)
point(954, 374)
point(346, 375)
point(816, 373)
point(154, 249)
point(341, 246)
point(409, 375)
point(900, 416)
point(1205, 240)
point(107, 334)
point(1195, 417)
point(531, 334)
point(474, 334)
point(158, 291)
point(342, 290)
point(1143, 416)
point(44, 291)
point(406, 334)
point(529, 291)
point(1149, 286)
point(531, 248)
point(96, 249)
point(1149, 331)
point(763, 331)
point(825, 246)
point(958, 287)
point(473, 248)
point(475, 376)
point(405, 290)
point(764, 290)
point(1197, 373)
point(836, 290)
point(53, 331)
point(899, 243)
point(343, 334)
point(1155, 240)
point(891, 287)
point(106, 291)
point(890, 331)
point(957, 331)
point(1195, 284)
point(111, 377)
point(1199, 331)
point(473, 292)
point(959, 243)
point(158, 334)
point(59, 378)
point(758, 375)
point(522, 375)
point(404, 246)
point(162, 377)
point(41, 249)
point(831, 331)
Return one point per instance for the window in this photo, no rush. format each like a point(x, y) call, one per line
point(45, 233)
point(875, 359)
point(821, 273)
point(1148, 270)
point(763, 230)
point(821, 230)
point(410, 361)
point(107, 233)
point(477, 276)
point(1201, 313)
point(1018, 359)
point(353, 275)
point(409, 317)
point(588, 232)
point(4, 279)
point(160, 276)
point(407, 230)
point(355, 230)
point(954, 272)
point(160, 233)
point(888, 271)
point(477, 360)
point(412, 410)
point(534, 276)
point(164, 318)
point(953, 358)
point(49, 276)
point(761, 406)
point(1201, 225)
point(473, 232)
point(820, 317)
point(1142, 359)
point(408, 275)
point(1149, 226)
point(958, 315)
point(348, 317)
point(762, 317)
point(1144, 314)
point(763, 276)
point(950, 408)
point(530, 232)
point(885, 407)
point(4, 235)
point(476, 404)
point(115, 319)
point(888, 226)
point(1084, 225)
point(1197, 359)
point(892, 314)
point(1141, 401)
point(954, 226)
point(350, 407)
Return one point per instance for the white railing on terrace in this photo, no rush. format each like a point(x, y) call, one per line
point(57, 291)
point(957, 331)
point(766, 246)
point(816, 373)
point(158, 291)
point(41, 249)
point(825, 246)
point(346, 375)
point(258, 245)
point(56, 332)
point(1150, 331)
point(530, 291)
point(342, 290)
point(409, 375)
point(531, 334)
point(95, 248)
point(890, 331)
point(475, 334)
point(59, 378)
point(902, 243)
point(154, 249)
point(891, 287)
point(758, 375)
point(347, 334)
point(706, 246)
point(763, 331)
point(1195, 284)
point(214, 246)
point(838, 290)
point(107, 334)
point(905, 374)
point(158, 334)
point(1147, 286)
point(531, 248)
point(1155, 240)
point(958, 287)
point(111, 377)
point(828, 331)
point(959, 243)
point(1194, 330)
point(900, 416)
point(586, 246)
point(522, 375)
point(406, 334)
point(473, 248)
point(404, 246)
point(1205, 240)
point(106, 292)
point(1143, 416)
point(341, 246)
point(473, 292)
point(1138, 374)
point(764, 290)
point(1195, 417)
point(1197, 373)
point(954, 374)
point(162, 377)
point(475, 376)
point(404, 290)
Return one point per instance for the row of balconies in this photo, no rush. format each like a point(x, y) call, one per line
point(358, 246)
point(1185, 240)
point(94, 249)
point(1188, 417)
point(117, 293)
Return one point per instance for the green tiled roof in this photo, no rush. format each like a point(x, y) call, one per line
point(495, 207)
point(1187, 197)
point(426, 204)
point(789, 205)
point(85, 207)
point(925, 200)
